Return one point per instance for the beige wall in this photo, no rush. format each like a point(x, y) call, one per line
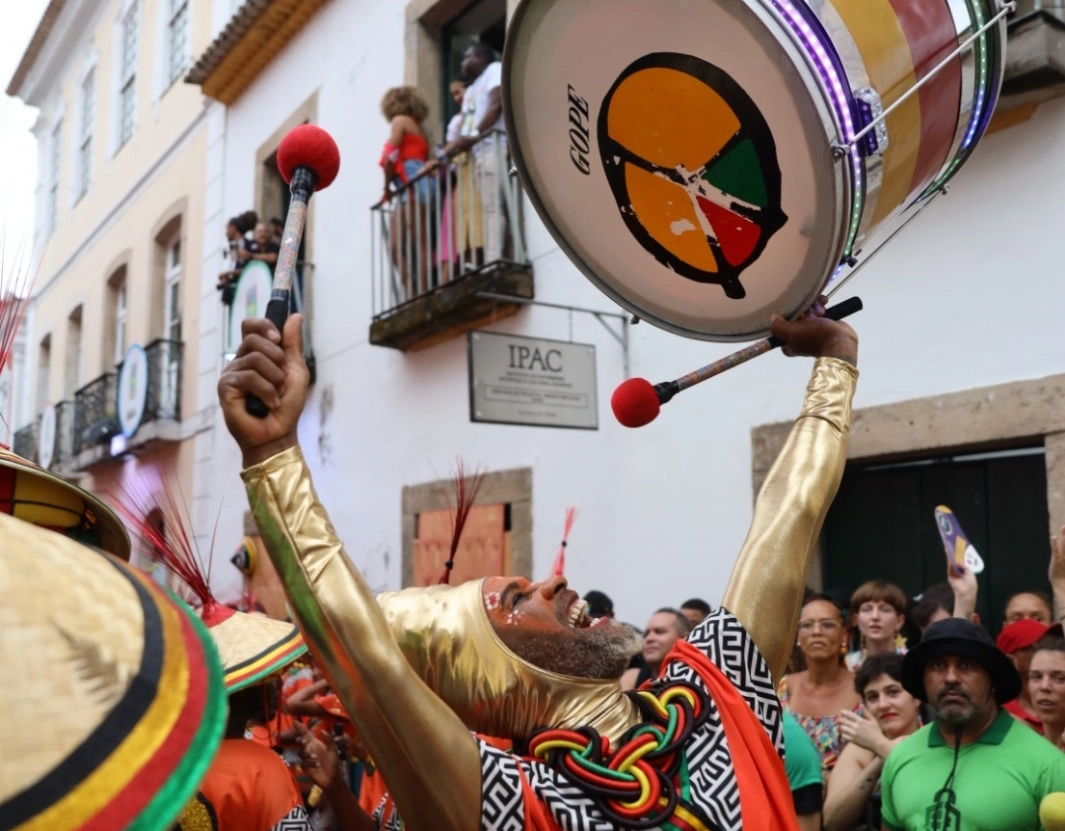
point(134, 191)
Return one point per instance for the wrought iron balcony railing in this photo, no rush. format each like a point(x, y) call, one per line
point(164, 381)
point(24, 443)
point(95, 413)
point(449, 235)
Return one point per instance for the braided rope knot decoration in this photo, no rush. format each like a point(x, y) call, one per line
point(643, 783)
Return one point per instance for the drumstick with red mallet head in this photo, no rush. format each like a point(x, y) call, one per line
point(308, 159)
point(637, 402)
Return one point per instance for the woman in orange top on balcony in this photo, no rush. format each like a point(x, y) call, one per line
point(409, 189)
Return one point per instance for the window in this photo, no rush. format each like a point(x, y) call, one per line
point(44, 372)
point(52, 216)
point(177, 39)
point(115, 333)
point(127, 79)
point(172, 316)
point(88, 107)
point(483, 21)
point(72, 370)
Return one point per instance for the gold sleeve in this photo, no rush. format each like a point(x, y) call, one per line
point(425, 753)
point(766, 586)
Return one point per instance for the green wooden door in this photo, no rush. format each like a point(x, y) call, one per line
point(881, 525)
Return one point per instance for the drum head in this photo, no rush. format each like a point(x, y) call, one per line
point(679, 151)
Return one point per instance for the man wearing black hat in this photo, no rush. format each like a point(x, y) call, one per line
point(975, 767)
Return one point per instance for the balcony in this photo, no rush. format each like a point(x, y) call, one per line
point(24, 443)
point(65, 412)
point(446, 248)
point(1035, 55)
point(95, 421)
point(164, 381)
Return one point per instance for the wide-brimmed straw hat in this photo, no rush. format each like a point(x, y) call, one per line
point(965, 639)
point(40, 497)
point(111, 700)
point(251, 645)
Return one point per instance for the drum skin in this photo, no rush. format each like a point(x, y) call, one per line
point(694, 158)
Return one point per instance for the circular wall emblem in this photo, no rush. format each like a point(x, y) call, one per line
point(132, 390)
point(46, 437)
point(693, 167)
point(250, 299)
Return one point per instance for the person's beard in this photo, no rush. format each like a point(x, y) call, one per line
point(601, 654)
point(956, 713)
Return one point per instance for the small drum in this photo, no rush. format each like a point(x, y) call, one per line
point(709, 162)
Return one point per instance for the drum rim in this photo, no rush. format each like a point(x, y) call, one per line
point(846, 193)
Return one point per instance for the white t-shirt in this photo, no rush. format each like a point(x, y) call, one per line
point(475, 103)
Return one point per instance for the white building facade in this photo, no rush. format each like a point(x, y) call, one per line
point(962, 357)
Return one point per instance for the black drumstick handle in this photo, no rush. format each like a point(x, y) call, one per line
point(845, 308)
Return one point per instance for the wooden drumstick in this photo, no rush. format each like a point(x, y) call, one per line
point(637, 402)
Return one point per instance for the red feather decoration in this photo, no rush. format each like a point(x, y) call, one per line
point(559, 568)
point(466, 488)
point(157, 518)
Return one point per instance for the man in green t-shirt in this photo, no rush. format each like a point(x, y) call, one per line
point(974, 768)
point(803, 767)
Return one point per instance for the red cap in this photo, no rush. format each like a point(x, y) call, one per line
point(1022, 634)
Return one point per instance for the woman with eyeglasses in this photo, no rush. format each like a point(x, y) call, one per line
point(817, 695)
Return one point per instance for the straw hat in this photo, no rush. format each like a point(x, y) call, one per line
point(252, 646)
point(40, 497)
point(113, 712)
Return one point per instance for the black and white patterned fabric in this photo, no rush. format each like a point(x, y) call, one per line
point(294, 820)
point(714, 787)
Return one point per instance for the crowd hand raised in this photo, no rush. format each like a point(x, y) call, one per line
point(319, 759)
point(863, 731)
point(965, 591)
point(814, 335)
point(275, 372)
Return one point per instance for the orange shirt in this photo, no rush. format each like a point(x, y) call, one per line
point(249, 787)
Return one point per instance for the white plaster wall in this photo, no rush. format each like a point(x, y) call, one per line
point(969, 295)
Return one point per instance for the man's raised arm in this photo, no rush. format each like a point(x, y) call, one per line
point(426, 755)
point(766, 586)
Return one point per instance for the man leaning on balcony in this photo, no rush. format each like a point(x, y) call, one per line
point(482, 134)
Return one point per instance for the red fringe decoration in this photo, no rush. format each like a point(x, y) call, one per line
point(466, 488)
point(559, 568)
point(169, 542)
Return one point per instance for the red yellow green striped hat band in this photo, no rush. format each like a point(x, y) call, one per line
point(252, 646)
point(40, 497)
point(118, 705)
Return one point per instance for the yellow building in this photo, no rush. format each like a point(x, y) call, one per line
point(113, 330)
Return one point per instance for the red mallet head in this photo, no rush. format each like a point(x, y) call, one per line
point(312, 147)
point(635, 402)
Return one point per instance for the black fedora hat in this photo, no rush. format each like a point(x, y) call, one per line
point(962, 638)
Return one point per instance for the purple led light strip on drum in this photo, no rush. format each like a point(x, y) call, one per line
point(814, 41)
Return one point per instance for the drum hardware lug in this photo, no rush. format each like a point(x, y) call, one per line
point(633, 320)
point(838, 150)
point(869, 111)
point(944, 189)
point(513, 172)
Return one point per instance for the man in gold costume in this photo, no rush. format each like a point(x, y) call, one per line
point(421, 670)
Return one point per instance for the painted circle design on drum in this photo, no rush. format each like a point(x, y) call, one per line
point(693, 167)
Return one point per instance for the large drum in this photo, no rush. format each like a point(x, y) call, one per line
point(708, 162)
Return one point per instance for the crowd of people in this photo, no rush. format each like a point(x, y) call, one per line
point(446, 204)
point(248, 238)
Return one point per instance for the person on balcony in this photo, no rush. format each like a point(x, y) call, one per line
point(408, 187)
point(447, 254)
point(263, 246)
point(481, 220)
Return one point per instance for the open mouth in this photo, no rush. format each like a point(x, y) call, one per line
point(576, 616)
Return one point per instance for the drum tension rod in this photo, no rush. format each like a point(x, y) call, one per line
point(1007, 8)
point(626, 320)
